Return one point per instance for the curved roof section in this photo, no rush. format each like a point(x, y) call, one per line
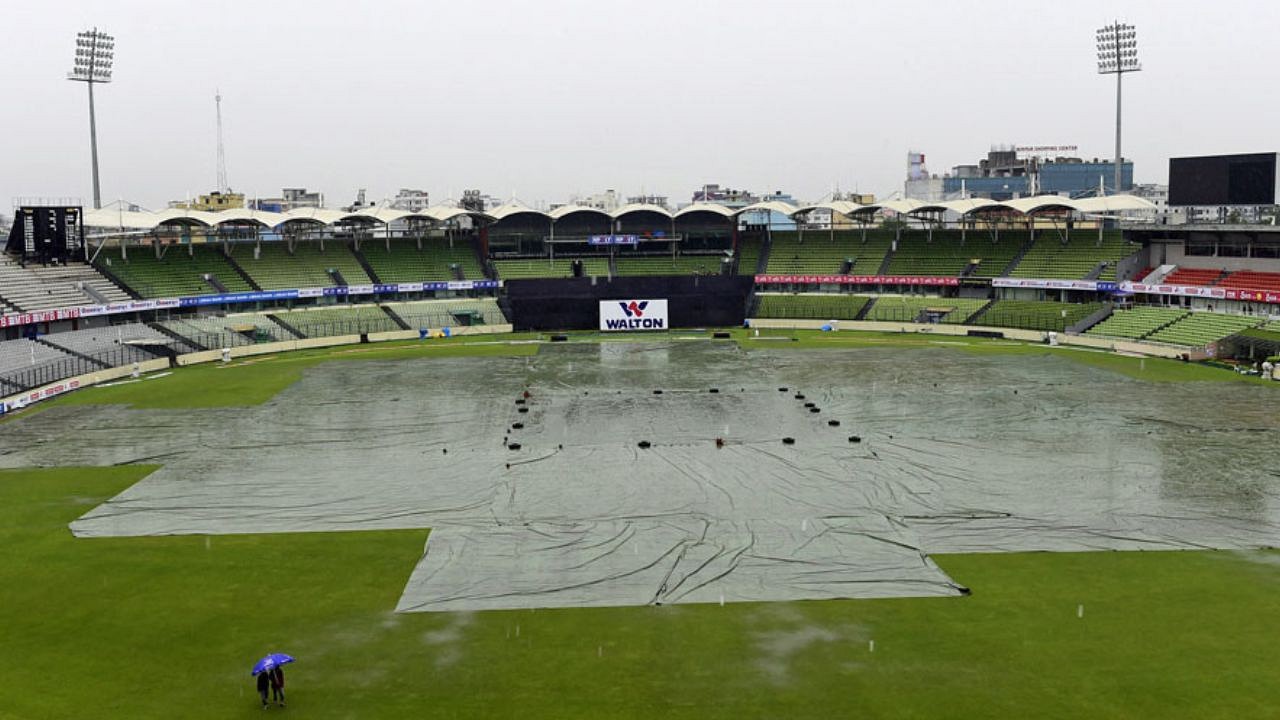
point(1114, 203)
point(1040, 203)
point(716, 208)
point(385, 215)
point(566, 210)
point(114, 218)
point(509, 209)
point(249, 215)
point(843, 207)
point(963, 207)
point(778, 206)
point(318, 215)
point(445, 213)
point(640, 207)
point(182, 216)
point(902, 207)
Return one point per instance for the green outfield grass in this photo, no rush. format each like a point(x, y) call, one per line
point(168, 627)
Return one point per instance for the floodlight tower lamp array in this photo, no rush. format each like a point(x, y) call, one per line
point(95, 55)
point(1117, 45)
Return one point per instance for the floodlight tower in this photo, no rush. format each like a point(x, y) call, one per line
point(95, 51)
point(223, 187)
point(1117, 55)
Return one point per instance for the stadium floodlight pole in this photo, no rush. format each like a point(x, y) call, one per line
point(1117, 55)
point(95, 52)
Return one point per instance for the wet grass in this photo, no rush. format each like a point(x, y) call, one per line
point(255, 380)
point(1143, 368)
point(168, 627)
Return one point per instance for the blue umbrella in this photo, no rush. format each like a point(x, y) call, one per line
point(270, 662)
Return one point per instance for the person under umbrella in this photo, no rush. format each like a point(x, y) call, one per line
point(264, 682)
point(277, 684)
point(271, 676)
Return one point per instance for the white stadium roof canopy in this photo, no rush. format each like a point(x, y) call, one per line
point(640, 207)
point(135, 220)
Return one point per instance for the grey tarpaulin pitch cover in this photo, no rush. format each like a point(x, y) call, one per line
point(954, 453)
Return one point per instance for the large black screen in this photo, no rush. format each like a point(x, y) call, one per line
point(1223, 180)
point(46, 233)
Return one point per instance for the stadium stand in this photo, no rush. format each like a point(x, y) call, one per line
point(749, 251)
point(668, 265)
point(404, 262)
point(547, 268)
point(229, 331)
point(917, 255)
point(179, 272)
point(1252, 280)
point(810, 307)
point(947, 255)
point(1078, 258)
point(21, 355)
point(449, 312)
point(821, 253)
point(1137, 323)
point(277, 269)
point(893, 308)
point(349, 320)
point(1035, 314)
point(1202, 328)
point(110, 344)
point(38, 287)
point(1193, 276)
point(995, 254)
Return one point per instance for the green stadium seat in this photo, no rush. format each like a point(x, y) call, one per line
point(404, 262)
point(668, 265)
point(1036, 314)
point(277, 269)
point(810, 306)
point(1136, 323)
point(911, 308)
point(547, 268)
point(178, 272)
point(1202, 328)
point(820, 252)
point(1050, 257)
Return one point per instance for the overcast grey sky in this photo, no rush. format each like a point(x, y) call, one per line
point(548, 99)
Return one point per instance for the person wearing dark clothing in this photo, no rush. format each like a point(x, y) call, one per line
point(277, 684)
point(264, 682)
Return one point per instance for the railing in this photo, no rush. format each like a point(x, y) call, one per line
point(335, 328)
point(44, 372)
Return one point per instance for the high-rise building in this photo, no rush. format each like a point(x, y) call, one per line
point(411, 200)
point(1009, 172)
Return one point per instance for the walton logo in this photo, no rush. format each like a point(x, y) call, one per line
point(634, 309)
point(634, 315)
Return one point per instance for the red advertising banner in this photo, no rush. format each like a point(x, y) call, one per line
point(38, 316)
point(854, 280)
point(1262, 296)
point(46, 392)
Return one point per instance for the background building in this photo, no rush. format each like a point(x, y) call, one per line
point(1010, 172)
point(411, 200)
point(290, 199)
point(211, 202)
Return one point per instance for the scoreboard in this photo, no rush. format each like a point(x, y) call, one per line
point(1248, 179)
point(47, 232)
